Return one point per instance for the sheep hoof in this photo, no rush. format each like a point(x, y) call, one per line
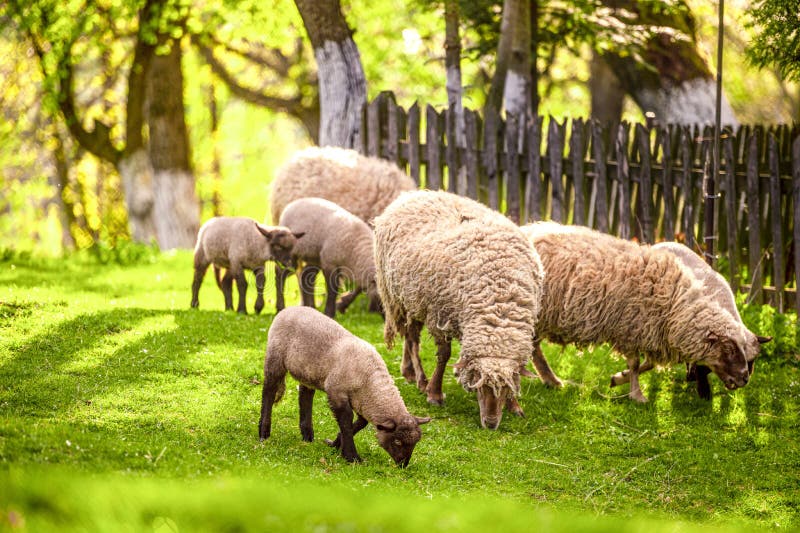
point(554, 383)
point(355, 458)
point(637, 396)
point(436, 400)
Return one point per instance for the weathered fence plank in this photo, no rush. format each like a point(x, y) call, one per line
point(624, 178)
point(754, 220)
point(796, 222)
point(645, 185)
point(555, 153)
point(777, 227)
point(533, 183)
point(491, 160)
point(576, 155)
point(413, 143)
point(512, 167)
point(730, 208)
point(600, 186)
point(471, 121)
point(433, 135)
point(668, 189)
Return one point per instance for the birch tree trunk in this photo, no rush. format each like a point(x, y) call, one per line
point(517, 90)
point(176, 212)
point(342, 85)
point(682, 88)
point(452, 47)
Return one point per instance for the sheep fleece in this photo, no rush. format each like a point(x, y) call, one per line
point(465, 272)
point(362, 185)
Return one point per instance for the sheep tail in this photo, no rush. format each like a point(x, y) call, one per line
point(281, 391)
point(217, 277)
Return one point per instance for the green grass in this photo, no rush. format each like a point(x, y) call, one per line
point(121, 408)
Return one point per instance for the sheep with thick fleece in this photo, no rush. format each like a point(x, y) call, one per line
point(715, 287)
point(600, 288)
point(467, 273)
point(322, 355)
point(335, 241)
point(235, 244)
point(362, 185)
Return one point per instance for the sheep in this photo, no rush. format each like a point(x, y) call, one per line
point(716, 287)
point(467, 273)
point(599, 288)
point(362, 185)
point(322, 355)
point(335, 241)
point(238, 243)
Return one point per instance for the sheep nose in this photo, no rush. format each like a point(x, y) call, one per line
point(490, 423)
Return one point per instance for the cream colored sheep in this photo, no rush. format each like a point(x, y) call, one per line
point(322, 355)
point(467, 273)
point(335, 241)
point(599, 288)
point(235, 244)
point(362, 185)
point(715, 286)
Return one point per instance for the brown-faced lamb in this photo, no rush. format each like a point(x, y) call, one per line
point(322, 355)
point(467, 273)
point(335, 241)
point(235, 244)
point(716, 287)
point(599, 288)
point(362, 185)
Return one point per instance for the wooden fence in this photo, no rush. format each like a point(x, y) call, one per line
point(630, 180)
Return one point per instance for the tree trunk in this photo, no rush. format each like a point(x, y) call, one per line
point(517, 91)
point(452, 46)
point(494, 100)
point(534, 8)
point(136, 174)
point(176, 211)
point(607, 93)
point(682, 88)
point(342, 85)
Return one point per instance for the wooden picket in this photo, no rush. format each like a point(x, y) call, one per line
point(631, 180)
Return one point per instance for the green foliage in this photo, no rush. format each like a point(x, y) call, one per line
point(766, 321)
point(123, 408)
point(777, 36)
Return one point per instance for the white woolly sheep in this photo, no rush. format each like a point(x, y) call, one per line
point(467, 273)
point(599, 288)
point(362, 185)
point(715, 286)
point(335, 241)
point(238, 243)
point(322, 355)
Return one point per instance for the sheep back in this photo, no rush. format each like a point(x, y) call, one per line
point(224, 241)
point(362, 185)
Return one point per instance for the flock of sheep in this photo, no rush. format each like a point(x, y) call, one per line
point(463, 271)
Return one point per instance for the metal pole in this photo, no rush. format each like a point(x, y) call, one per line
point(710, 193)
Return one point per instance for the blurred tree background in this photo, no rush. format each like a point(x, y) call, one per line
point(99, 124)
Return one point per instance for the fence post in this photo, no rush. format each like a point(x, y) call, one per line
point(754, 219)
point(555, 152)
point(512, 166)
point(645, 184)
point(413, 143)
point(624, 178)
point(600, 187)
point(471, 120)
point(451, 155)
point(578, 181)
point(777, 230)
point(533, 184)
point(433, 133)
point(668, 190)
point(490, 158)
point(687, 186)
point(730, 207)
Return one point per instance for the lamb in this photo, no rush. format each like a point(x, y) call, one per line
point(238, 243)
point(467, 273)
point(362, 185)
point(716, 287)
point(335, 241)
point(322, 355)
point(600, 288)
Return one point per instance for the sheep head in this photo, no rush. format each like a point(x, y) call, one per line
point(399, 435)
point(726, 358)
point(496, 383)
point(280, 241)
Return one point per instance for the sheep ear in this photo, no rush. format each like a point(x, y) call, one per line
point(421, 421)
point(299, 234)
point(387, 425)
point(712, 337)
point(763, 340)
point(264, 231)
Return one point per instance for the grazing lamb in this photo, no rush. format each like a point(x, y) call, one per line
point(599, 288)
point(238, 243)
point(322, 355)
point(467, 273)
point(335, 241)
point(362, 185)
point(715, 287)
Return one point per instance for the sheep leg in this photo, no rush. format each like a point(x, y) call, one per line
point(411, 365)
point(200, 269)
point(308, 277)
point(241, 285)
point(260, 280)
point(691, 372)
point(306, 400)
point(620, 378)
point(227, 289)
point(358, 425)
point(347, 299)
point(542, 368)
point(281, 273)
point(703, 386)
point(513, 406)
point(271, 389)
point(332, 286)
point(636, 392)
point(435, 395)
point(344, 417)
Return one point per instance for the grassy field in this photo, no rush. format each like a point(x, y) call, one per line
point(121, 408)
